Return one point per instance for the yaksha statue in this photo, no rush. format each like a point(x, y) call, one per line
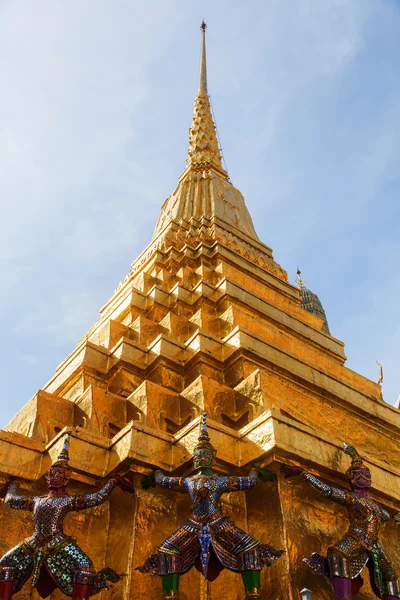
point(50, 556)
point(360, 546)
point(208, 540)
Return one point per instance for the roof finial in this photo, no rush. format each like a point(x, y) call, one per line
point(299, 280)
point(203, 65)
point(380, 381)
point(204, 149)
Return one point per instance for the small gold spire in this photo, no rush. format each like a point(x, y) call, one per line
point(299, 280)
point(203, 143)
point(203, 63)
point(380, 381)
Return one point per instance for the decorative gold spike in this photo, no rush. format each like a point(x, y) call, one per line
point(299, 280)
point(380, 380)
point(203, 143)
point(203, 64)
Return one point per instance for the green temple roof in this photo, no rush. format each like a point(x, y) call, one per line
point(311, 303)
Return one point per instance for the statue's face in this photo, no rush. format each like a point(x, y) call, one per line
point(57, 477)
point(361, 478)
point(203, 458)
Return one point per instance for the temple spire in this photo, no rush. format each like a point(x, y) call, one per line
point(203, 143)
point(204, 191)
point(203, 61)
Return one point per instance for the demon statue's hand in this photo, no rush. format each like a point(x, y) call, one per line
point(125, 482)
point(264, 474)
point(397, 518)
point(290, 471)
point(4, 488)
point(149, 481)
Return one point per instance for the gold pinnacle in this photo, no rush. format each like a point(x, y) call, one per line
point(203, 65)
point(203, 143)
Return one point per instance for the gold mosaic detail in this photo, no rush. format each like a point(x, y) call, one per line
point(203, 142)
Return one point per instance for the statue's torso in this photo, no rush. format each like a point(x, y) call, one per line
point(205, 493)
point(365, 518)
point(49, 513)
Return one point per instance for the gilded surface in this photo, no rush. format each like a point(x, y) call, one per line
point(205, 320)
point(207, 195)
point(203, 143)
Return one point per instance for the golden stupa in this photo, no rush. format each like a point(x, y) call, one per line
point(205, 320)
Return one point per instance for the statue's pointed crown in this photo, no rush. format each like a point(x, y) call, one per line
point(356, 460)
point(63, 457)
point(204, 438)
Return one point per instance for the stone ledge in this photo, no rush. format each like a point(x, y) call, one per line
point(269, 438)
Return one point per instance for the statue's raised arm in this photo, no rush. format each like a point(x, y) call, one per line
point(14, 500)
point(208, 540)
point(335, 494)
point(238, 484)
point(158, 478)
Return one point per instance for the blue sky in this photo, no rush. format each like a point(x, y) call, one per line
point(95, 105)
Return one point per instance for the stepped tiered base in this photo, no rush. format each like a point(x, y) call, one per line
point(206, 320)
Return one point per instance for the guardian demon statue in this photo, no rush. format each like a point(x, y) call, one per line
point(360, 546)
point(208, 540)
point(52, 558)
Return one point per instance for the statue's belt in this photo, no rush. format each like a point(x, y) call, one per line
point(357, 534)
point(195, 523)
point(34, 544)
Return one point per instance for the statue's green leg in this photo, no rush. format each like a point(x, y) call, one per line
point(170, 584)
point(251, 580)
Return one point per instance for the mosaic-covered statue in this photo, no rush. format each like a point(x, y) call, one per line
point(52, 558)
point(360, 546)
point(208, 540)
